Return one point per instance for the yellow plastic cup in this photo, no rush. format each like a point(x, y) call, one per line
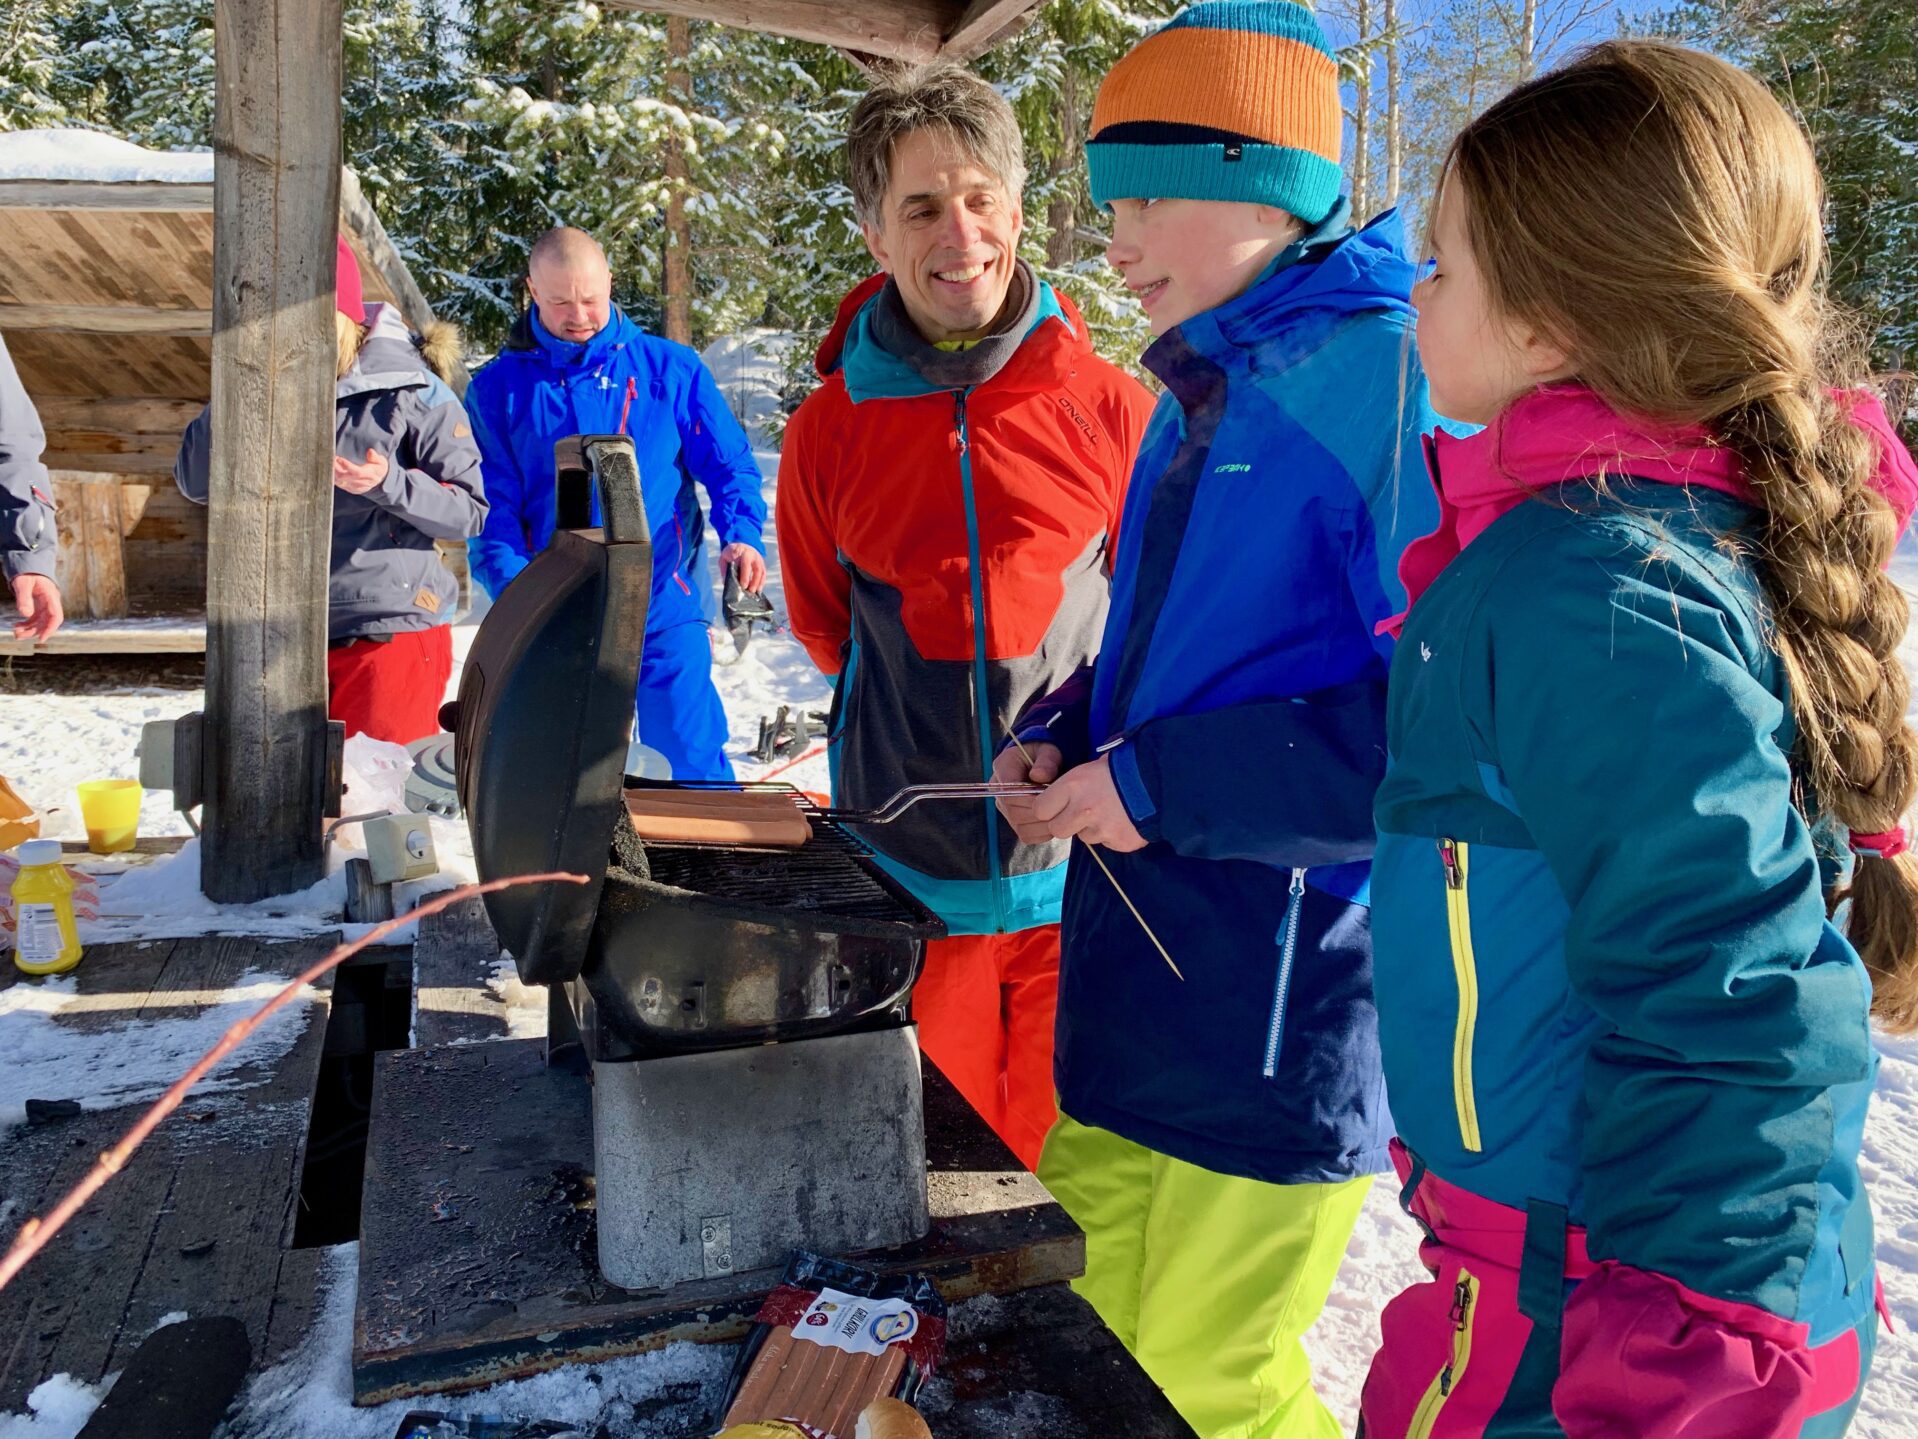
point(110, 809)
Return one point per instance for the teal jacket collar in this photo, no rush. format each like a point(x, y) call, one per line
point(872, 372)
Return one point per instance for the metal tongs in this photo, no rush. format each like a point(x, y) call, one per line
point(912, 794)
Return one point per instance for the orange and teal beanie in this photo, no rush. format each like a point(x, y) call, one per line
point(1232, 100)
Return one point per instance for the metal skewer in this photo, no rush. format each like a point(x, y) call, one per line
point(906, 798)
point(1099, 859)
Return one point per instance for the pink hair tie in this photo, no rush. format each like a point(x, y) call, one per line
point(1889, 845)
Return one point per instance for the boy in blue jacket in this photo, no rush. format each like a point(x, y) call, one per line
point(1218, 1132)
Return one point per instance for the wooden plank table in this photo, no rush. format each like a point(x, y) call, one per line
point(200, 1218)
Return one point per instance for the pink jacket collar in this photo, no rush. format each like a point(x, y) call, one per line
point(1566, 432)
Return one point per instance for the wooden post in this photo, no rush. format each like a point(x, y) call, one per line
point(276, 199)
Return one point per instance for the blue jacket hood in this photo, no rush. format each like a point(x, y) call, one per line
point(529, 335)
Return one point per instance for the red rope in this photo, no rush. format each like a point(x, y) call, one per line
point(35, 1233)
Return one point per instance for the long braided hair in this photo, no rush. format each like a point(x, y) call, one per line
point(1658, 211)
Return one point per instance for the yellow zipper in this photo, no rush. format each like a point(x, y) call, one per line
point(1455, 856)
point(1464, 1302)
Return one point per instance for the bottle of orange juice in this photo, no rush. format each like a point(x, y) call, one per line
point(47, 940)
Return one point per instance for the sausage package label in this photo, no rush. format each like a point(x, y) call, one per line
point(855, 1325)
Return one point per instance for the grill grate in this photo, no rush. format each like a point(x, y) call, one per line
point(830, 875)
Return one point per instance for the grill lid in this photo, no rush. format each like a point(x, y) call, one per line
point(545, 708)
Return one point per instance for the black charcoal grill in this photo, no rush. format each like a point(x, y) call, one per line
point(668, 948)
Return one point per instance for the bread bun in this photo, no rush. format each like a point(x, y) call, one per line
point(891, 1419)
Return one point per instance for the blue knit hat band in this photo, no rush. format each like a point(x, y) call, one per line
point(1296, 181)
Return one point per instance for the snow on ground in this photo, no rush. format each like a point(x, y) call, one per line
point(56, 1409)
point(48, 743)
point(90, 155)
point(750, 370)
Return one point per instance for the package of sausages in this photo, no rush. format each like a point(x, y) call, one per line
point(830, 1340)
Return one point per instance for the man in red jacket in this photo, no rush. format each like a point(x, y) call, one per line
point(947, 501)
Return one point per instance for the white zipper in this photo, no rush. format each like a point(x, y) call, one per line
point(1288, 945)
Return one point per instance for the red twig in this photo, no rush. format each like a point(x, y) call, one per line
point(35, 1233)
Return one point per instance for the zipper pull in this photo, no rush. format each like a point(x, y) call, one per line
point(1298, 883)
point(1461, 1303)
point(1448, 856)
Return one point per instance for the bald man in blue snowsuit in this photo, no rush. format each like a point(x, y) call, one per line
point(574, 364)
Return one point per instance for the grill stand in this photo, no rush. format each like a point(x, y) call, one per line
point(728, 1160)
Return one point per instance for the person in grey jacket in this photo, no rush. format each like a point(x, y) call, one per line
point(406, 472)
point(27, 537)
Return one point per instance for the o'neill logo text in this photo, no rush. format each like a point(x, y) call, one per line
point(1085, 425)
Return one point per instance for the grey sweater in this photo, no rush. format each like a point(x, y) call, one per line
point(385, 577)
point(27, 535)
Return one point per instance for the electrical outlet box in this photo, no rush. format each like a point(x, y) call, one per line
point(400, 846)
point(156, 754)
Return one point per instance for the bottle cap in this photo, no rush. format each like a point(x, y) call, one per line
point(38, 851)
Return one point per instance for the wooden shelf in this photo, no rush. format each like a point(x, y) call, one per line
point(161, 634)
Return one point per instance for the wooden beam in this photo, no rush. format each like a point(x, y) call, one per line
point(152, 195)
point(116, 464)
point(183, 636)
point(985, 23)
point(118, 475)
point(909, 30)
point(122, 440)
point(142, 413)
point(106, 319)
point(276, 144)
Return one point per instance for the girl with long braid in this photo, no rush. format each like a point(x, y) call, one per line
point(1642, 848)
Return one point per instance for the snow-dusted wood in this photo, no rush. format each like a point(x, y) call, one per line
point(149, 195)
point(200, 1220)
point(453, 961)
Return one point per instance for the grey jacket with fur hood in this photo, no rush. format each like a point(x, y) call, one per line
point(26, 510)
point(386, 577)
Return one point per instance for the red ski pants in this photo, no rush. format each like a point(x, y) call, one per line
point(391, 689)
point(984, 1006)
